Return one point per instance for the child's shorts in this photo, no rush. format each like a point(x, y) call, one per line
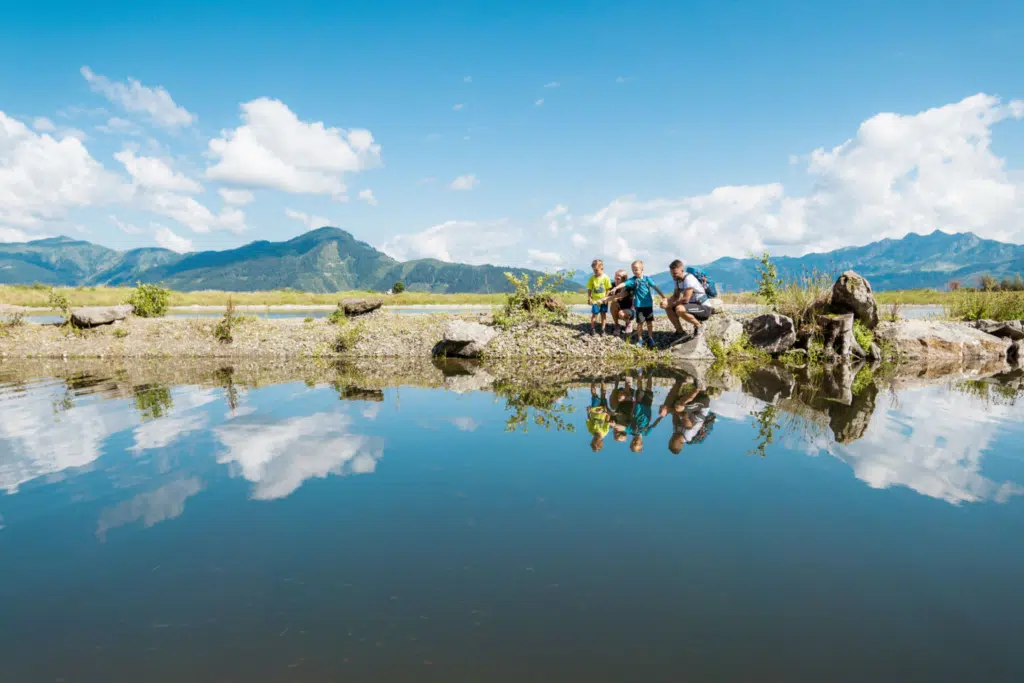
point(598, 308)
point(644, 314)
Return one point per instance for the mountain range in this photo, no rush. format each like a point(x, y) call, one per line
point(330, 260)
point(914, 262)
point(322, 260)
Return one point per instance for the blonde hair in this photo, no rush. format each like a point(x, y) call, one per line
point(596, 262)
point(636, 262)
point(621, 273)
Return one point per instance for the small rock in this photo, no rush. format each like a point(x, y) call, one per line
point(771, 332)
point(1009, 329)
point(1015, 353)
point(93, 316)
point(852, 294)
point(354, 307)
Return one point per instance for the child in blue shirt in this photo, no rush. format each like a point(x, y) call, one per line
point(641, 285)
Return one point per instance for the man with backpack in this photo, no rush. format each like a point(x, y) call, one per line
point(689, 302)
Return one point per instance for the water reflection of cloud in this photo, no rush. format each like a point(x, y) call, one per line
point(152, 507)
point(162, 432)
point(465, 424)
point(933, 443)
point(36, 441)
point(279, 457)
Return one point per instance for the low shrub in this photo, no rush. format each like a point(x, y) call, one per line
point(150, 301)
point(59, 303)
point(980, 305)
point(337, 316)
point(307, 320)
point(863, 335)
point(347, 338)
point(224, 330)
point(120, 332)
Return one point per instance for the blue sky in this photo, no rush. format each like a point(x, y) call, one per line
point(620, 130)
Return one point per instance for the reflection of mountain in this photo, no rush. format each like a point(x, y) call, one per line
point(278, 457)
point(152, 507)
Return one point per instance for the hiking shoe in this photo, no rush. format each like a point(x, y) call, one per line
point(650, 343)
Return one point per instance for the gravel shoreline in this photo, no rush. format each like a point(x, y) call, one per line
point(378, 334)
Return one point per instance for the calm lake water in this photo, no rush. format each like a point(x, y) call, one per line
point(313, 529)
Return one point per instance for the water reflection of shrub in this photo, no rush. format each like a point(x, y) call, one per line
point(534, 404)
point(992, 392)
point(153, 401)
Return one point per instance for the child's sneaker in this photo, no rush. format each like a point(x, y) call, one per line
point(650, 343)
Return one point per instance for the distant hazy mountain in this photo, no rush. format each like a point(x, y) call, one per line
point(914, 262)
point(324, 260)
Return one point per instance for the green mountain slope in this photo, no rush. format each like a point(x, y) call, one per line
point(916, 261)
point(323, 260)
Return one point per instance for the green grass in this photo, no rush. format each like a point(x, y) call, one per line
point(975, 305)
point(33, 297)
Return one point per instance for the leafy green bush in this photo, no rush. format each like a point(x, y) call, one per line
point(769, 283)
point(398, 288)
point(120, 332)
point(535, 303)
point(337, 316)
point(863, 335)
point(150, 301)
point(982, 305)
point(307, 320)
point(60, 304)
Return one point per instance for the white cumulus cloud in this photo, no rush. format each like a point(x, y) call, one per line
point(544, 259)
point(42, 177)
point(235, 197)
point(156, 102)
point(367, 196)
point(152, 173)
point(464, 182)
point(310, 221)
point(899, 174)
point(166, 238)
point(273, 148)
point(43, 125)
point(474, 242)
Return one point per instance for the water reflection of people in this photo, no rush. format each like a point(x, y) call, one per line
point(598, 417)
point(692, 418)
point(635, 412)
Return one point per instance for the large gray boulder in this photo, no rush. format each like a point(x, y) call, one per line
point(852, 294)
point(771, 332)
point(693, 350)
point(723, 328)
point(1008, 329)
point(355, 307)
point(94, 316)
point(464, 339)
point(941, 341)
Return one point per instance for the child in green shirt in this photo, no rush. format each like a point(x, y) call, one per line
point(597, 287)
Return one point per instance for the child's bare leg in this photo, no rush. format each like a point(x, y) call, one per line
point(604, 320)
